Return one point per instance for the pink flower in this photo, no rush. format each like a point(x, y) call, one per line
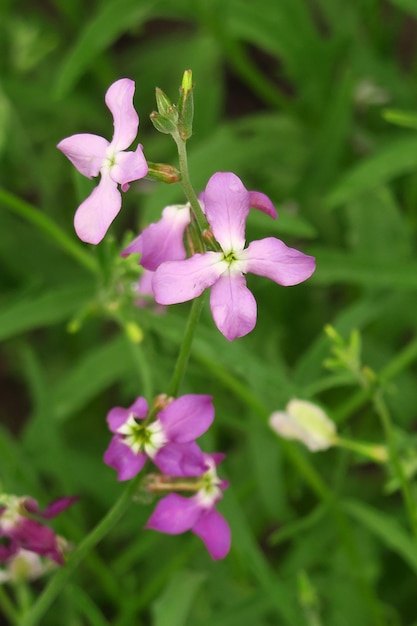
point(168, 439)
point(176, 514)
point(93, 155)
point(21, 526)
point(233, 306)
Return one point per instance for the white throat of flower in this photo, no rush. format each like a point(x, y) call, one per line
point(211, 491)
point(11, 515)
point(139, 438)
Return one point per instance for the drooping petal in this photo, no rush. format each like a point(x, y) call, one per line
point(94, 216)
point(121, 458)
point(179, 281)
point(233, 306)
point(174, 514)
point(87, 152)
point(119, 99)
point(258, 200)
point(57, 506)
point(117, 416)
point(270, 257)
point(213, 529)
point(180, 459)
point(35, 537)
point(163, 240)
point(227, 206)
point(187, 417)
point(129, 166)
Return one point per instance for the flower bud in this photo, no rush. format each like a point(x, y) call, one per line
point(305, 422)
point(163, 103)
point(163, 124)
point(164, 172)
point(186, 107)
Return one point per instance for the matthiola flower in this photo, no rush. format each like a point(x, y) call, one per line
point(93, 155)
point(144, 291)
point(167, 439)
point(22, 527)
point(175, 514)
point(226, 205)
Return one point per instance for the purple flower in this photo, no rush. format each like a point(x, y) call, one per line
point(232, 305)
point(21, 527)
point(168, 440)
point(163, 240)
point(92, 155)
point(176, 514)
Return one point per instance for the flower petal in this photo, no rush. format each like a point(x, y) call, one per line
point(35, 537)
point(119, 99)
point(174, 514)
point(57, 506)
point(180, 459)
point(129, 166)
point(187, 417)
point(260, 201)
point(213, 529)
point(227, 206)
point(179, 281)
point(87, 152)
point(121, 458)
point(270, 257)
point(94, 216)
point(233, 306)
point(118, 415)
point(163, 240)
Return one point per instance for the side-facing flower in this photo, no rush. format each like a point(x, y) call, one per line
point(22, 527)
point(176, 514)
point(168, 439)
point(93, 155)
point(226, 205)
point(306, 422)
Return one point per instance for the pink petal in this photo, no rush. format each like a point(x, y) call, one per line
point(87, 152)
point(118, 415)
point(119, 99)
point(187, 417)
point(96, 213)
point(179, 281)
point(129, 166)
point(213, 529)
point(180, 459)
point(174, 514)
point(260, 201)
point(163, 240)
point(37, 538)
point(227, 206)
point(270, 257)
point(122, 458)
point(57, 506)
point(233, 306)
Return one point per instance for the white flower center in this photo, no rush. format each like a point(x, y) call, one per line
point(210, 492)
point(139, 438)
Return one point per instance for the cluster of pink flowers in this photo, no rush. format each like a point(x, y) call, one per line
point(166, 433)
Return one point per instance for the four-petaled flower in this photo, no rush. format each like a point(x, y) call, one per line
point(22, 527)
point(168, 440)
point(93, 155)
point(175, 514)
point(232, 305)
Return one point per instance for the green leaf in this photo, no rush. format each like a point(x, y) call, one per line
point(174, 604)
point(409, 6)
point(407, 119)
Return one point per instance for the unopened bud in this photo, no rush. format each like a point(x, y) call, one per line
point(163, 124)
point(186, 106)
point(164, 172)
point(305, 422)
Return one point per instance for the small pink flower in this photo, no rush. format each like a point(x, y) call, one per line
point(176, 514)
point(93, 155)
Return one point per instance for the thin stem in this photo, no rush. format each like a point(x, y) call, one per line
point(184, 353)
point(8, 608)
point(187, 186)
point(42, 221)
point(60, 579)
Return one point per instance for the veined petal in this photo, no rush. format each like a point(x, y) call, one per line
point(94, 216)
point(187, 417)
point(258, 200)
point(174, 514)
point(227, 206)
point(213, 529)
point(119, 99)
point(233, 306)
point(117, 416)
point(180, 459)
point(163, 240)
point(179, 281)
point(129, 166)
point(86, 152)
point(270, 257)
point(121, 458)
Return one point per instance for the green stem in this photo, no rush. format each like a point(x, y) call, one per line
point(60, 579)
point(184, 353)
point(187, 186)
point(8, 608)
point(42, 221)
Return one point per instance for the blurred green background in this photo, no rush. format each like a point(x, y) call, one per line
point(302, 99)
